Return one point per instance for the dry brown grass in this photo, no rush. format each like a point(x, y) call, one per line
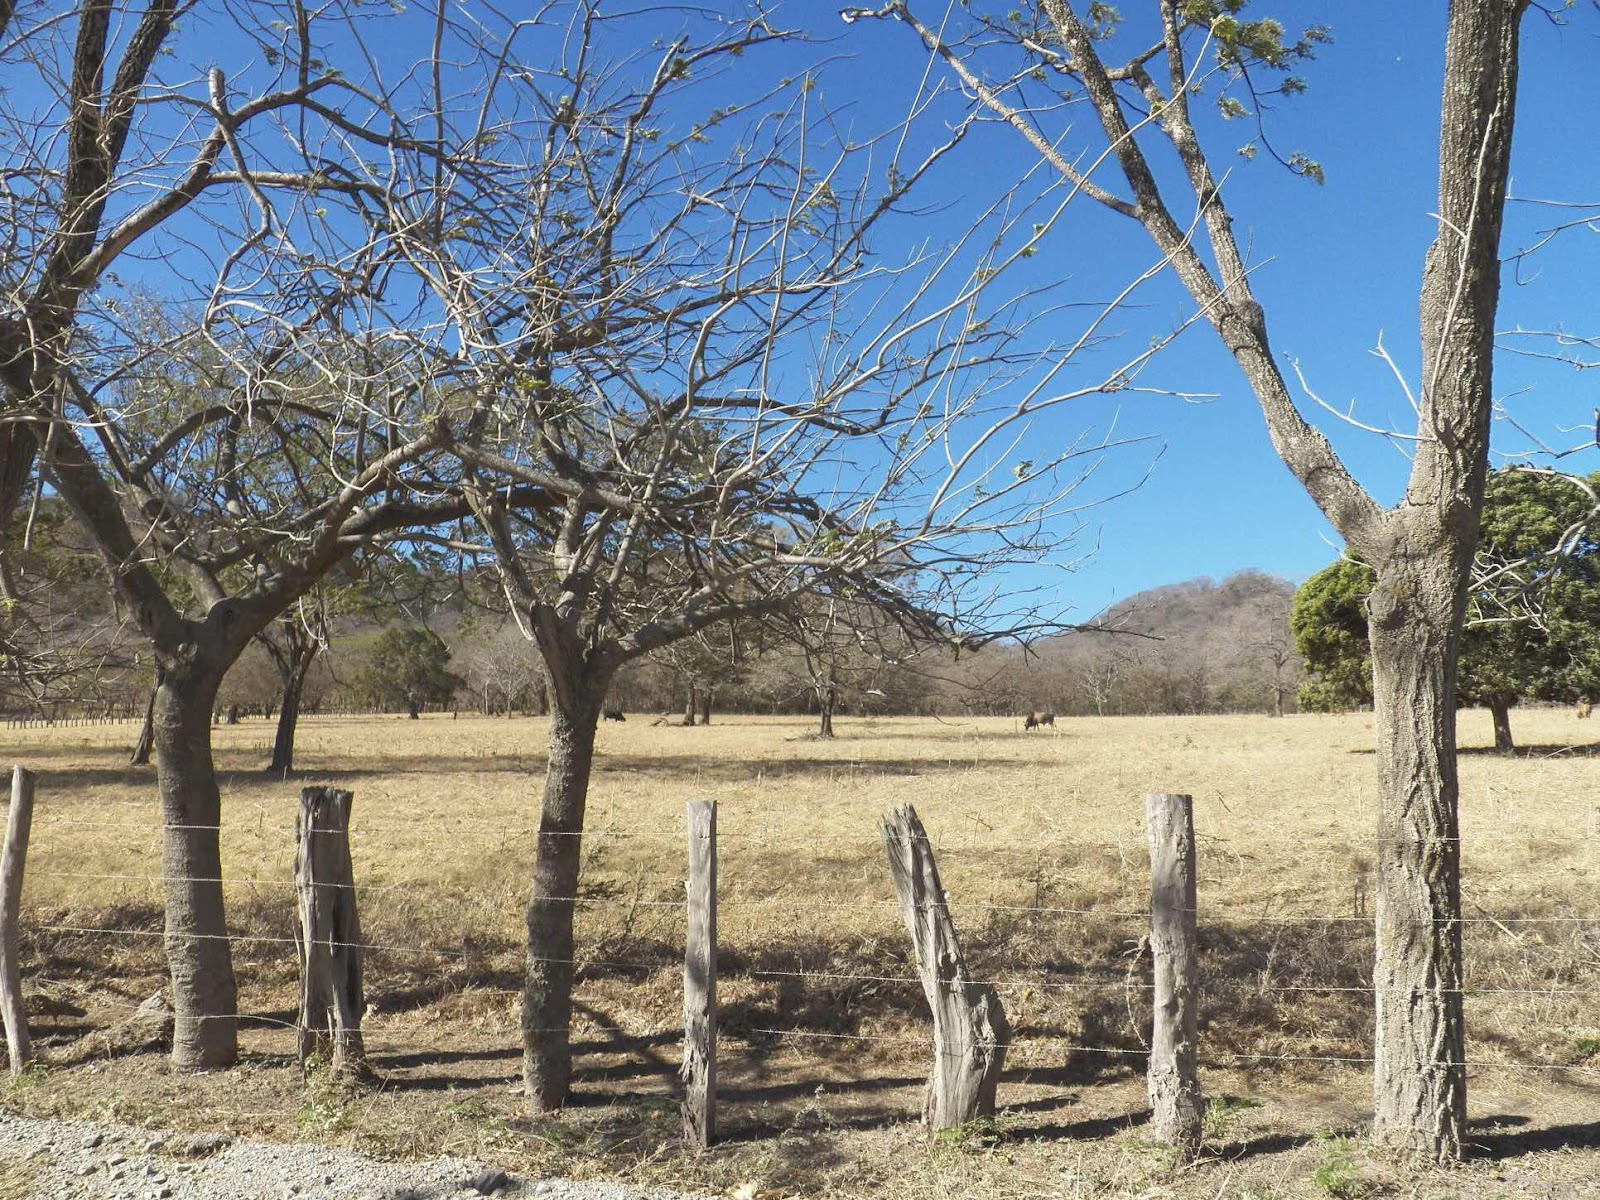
point(1041, 847)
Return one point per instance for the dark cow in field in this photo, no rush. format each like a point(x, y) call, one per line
point(1037, 720)
point(613, 714)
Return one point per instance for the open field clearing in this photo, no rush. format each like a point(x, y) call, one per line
point(1041, 846)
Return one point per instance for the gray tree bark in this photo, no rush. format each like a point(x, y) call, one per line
point(1419, 1082)
point(204, 995)
point(1500, 711)
point(141, 750)
point(294, 671)
point(547, 984)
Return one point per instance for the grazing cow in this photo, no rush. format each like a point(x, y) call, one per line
point(1036, 720)
point(1584, 708)
point(613, 714)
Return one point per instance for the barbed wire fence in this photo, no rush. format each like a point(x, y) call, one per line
point(1121, 982)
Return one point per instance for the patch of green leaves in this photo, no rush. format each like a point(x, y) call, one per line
point(1338, 1174)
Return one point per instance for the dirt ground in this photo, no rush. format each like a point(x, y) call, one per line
point(824, 1048)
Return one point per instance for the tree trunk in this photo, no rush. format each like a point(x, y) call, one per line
point(691, 706)
point(141, 751)
point(547, 987)
point(1419, 1080)
point(204, 998)
point(413, 711)
point(705, 704)
point(827, 697)
point(1277, 702)
point(1501, 711)
point(289, 709)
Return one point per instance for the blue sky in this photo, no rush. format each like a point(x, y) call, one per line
point(1339, 267)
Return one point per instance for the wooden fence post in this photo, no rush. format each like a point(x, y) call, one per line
point(699, 1070)
point(328, 931)
point(970, 1030)
point(1173, 1078)
point(12, 860)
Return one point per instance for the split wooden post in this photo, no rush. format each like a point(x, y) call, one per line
point(328, 932)
point(699, 1070)
point(12, 860)
point(1174, 1080)
point(970, 1030)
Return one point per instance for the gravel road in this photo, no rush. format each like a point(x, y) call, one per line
point(80, 1160)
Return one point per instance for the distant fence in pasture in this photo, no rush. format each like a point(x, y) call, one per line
point(121, 716)
point(968, 1026)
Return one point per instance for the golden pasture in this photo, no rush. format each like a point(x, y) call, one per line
point(1040, 843)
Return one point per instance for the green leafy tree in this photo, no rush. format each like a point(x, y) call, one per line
point(1533, 621)
point(409, 666)
point(1329, 623)
point(1533, 629)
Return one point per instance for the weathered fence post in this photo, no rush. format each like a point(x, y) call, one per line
point(12, 860)
point(1174, 1079)
point(699, 1068)
point(328, 931)
point(970, 1031)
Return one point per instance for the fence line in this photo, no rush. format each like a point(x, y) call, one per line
point(1127, 985)
point(918, 1041)
point(854, 905)
point(1116, 985)
point(1133, 845)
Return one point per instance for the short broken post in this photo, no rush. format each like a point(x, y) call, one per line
point(1174, 1079)
point(328, 933)
point(699, 1070)
point(970, 1031)
point(12, 860)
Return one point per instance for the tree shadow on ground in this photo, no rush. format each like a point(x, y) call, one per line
point(1536, 750)
point(66, 774)
point(1530, 750)
point(1513, 1143)
point(1086, 1129)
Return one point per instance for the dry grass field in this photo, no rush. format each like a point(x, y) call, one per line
point(1041, 845)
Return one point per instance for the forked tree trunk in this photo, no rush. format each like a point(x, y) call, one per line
point(204, 997)
point(827, 697)
point(141, 750)
point(1419, 1077)
point(547, 985)
point(1501, 712)
point(691, 705)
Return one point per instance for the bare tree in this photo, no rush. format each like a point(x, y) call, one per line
point(222, 444)
point(666, 304)
point(1422, 549)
